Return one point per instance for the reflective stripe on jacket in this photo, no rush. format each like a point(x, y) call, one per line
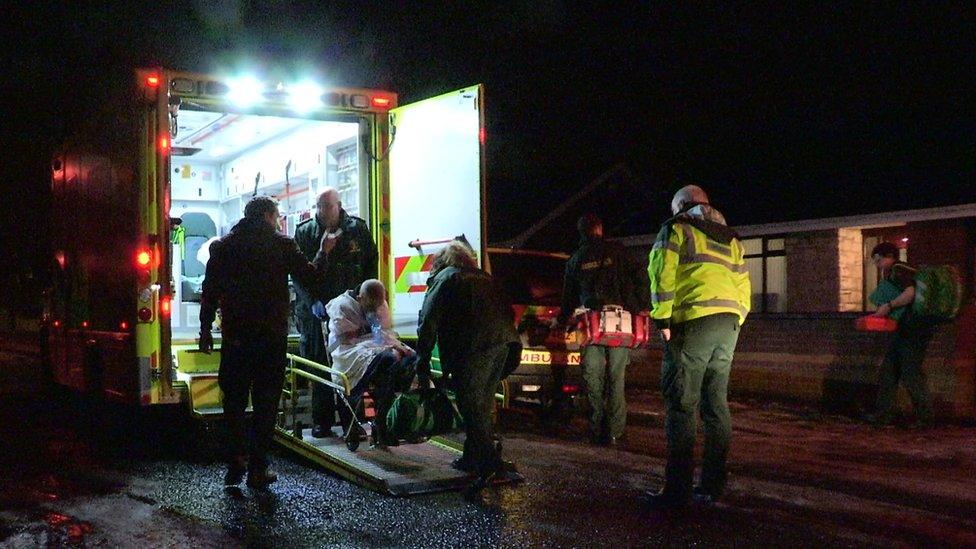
point(694, 275)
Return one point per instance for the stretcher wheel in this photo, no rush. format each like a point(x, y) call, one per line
point(352, 441)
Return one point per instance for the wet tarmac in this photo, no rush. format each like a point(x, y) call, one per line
point(77, 474)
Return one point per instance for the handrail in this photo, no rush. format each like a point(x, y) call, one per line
point(417, 243)
point(323, 368)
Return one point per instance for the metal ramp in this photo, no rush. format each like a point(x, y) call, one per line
point(402, 470)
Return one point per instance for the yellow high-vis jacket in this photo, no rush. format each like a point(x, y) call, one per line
point(697, 269)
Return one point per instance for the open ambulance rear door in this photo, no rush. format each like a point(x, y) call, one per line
point(436, 191)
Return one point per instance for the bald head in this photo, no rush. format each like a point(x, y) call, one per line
point(328, 205)
point(688, 194)
point(372, 294)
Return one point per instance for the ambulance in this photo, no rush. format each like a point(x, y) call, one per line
point(162, 168)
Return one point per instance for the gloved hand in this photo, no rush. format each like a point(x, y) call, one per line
point(318, 309)
point(205, 343)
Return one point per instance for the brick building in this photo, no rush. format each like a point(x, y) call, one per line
point(810, 282)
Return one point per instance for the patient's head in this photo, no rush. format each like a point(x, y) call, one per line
point(372, 297)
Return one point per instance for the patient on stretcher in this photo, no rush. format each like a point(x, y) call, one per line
point(364, 347)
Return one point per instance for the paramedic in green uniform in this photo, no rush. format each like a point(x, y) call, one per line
point(471, 320)
point(351, 258)
point(700, 295)
point(598, 274)
point(903, 361)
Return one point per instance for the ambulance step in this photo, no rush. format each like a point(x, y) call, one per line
point(402, 470)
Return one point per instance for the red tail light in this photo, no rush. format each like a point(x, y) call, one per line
point(570, 389)
point(164, 144)
point(144, 258)
point(152, 81)
point(381, 102)
point(84, 323)
point(165, 305)
point(57, 323)
point(123, 325)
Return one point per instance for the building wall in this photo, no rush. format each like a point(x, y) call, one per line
point(821, 360)
point(812, 272)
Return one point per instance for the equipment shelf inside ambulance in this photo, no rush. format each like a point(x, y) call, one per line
point(221, 159)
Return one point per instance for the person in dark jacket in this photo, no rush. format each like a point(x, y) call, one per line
point(599, 274)
point(247, 278)
point(470, 319)
point(903, 361)
point(351, 258)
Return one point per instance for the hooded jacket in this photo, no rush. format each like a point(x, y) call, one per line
point(697, 268)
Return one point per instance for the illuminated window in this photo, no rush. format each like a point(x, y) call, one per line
point(766, 262)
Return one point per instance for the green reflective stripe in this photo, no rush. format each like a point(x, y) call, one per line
point(717, 247)
point(665, 244)
point(705, 258)
point(661, 297)
point(729, 303)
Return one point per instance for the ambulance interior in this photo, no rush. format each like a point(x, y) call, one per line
point(220, 160)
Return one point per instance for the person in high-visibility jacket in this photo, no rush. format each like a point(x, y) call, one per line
point(700, 296)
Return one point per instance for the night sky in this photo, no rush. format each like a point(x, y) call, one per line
point(785, 114)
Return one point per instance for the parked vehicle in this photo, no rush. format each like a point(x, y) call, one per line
point(549, 375)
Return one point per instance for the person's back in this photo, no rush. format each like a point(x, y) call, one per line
point(476, 314)
point(252, 266)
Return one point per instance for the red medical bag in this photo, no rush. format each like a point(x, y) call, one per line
point(871, 323)
point(613, 326)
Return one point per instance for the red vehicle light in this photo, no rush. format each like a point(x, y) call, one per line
point(143, 258)
point(482, 136)
point(570, 389)
point(123, 325)
point(164, 144)
point(57, 323)
point(145, 314)
point(152, 81)
point(84, 323)
point(165, 305)
point(381, 102)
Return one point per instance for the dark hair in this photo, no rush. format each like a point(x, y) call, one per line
point(260, 205)
point(586, 224)
point(885, 249)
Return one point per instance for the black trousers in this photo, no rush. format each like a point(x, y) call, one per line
point(384, 378)
point(311, 345)
point(252, 365)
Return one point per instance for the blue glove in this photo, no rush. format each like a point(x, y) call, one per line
point(318, 309)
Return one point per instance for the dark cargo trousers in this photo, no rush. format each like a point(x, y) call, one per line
point(695, 377)
point(255, 366)
point(311, 345)
point(604, 372)
point(475, 381)
point(903, 362)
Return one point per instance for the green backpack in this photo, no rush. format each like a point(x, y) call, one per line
point(938, 292)
point(418, 415)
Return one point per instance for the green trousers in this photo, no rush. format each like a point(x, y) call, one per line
point(604, 369)
point(903, 362)
point(695, 378)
